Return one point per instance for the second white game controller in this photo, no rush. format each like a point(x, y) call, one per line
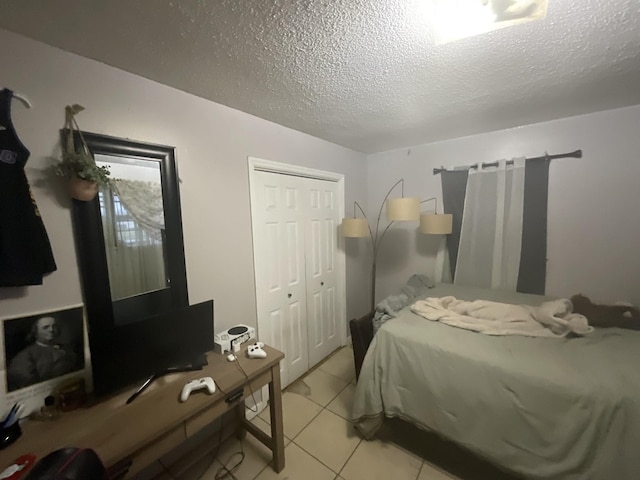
point(204, 383)
point(256, 351)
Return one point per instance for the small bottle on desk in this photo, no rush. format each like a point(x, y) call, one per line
point(49, 411)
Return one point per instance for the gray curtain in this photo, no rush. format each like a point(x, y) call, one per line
point(454, 188)
point(533, 259)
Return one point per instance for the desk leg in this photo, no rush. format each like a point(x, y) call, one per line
point(240, 412)
point(275, 409)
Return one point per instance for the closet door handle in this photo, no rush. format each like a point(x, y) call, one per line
point(322, 284)
point(288, 295)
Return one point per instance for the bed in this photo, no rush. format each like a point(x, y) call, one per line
point(544, 408)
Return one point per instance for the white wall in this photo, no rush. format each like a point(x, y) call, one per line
point(213, 142)
point(593, 223)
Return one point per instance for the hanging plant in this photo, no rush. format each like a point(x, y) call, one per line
point(77, 164)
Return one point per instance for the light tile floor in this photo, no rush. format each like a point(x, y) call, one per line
point(320, 443)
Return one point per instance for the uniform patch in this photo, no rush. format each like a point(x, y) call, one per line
point(7, 156)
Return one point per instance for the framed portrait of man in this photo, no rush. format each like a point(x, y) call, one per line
point(42, 347)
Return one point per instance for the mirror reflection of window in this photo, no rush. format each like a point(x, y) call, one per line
point(133, 226)
point(125, 228)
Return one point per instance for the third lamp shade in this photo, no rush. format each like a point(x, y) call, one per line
point(355, 227)
point(403, 209)
point(436, 224)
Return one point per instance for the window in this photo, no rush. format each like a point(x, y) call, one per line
point(124, 229)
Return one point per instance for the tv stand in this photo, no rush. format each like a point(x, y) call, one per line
point(128, 438)
point(196, 365)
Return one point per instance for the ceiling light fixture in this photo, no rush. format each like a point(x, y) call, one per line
point(456, 19)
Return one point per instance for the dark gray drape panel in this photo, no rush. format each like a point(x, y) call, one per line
point(533, 258)
point(454, 189)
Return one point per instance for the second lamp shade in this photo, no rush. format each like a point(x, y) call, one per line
point(403, 209)
point(436, 224)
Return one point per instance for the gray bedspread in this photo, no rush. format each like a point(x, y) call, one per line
point(547, 408)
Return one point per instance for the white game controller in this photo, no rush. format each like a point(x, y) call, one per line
point(256, 351)
point(205, 383)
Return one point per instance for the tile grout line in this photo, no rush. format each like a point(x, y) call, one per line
point(352, 454)
point(332, 398)
point(302, 448)
point(319, 367)
point(337, 376)
point(292, 439)
point(306, 425)
point(263, 469)
point(420, 469)
point(313, 456)
point(324, 407)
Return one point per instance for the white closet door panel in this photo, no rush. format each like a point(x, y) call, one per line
point(293, 254)
point(296, 347)
point(330, 321)
point(296, 352)
point(276, 332)
point(320, 242)
point(280, 272)
point(331, 318)
point(272, 274)
point(315, 307)
point(314, 269)
point(269, 279)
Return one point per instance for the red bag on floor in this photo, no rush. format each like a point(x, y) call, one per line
point(69, 463)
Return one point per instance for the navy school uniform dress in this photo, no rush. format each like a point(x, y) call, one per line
point(25, 251)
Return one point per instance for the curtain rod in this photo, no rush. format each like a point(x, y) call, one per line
point(546, 156)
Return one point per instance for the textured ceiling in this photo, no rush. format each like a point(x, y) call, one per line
point(361, 73)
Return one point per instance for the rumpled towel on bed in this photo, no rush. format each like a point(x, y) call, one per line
point(388, 308)
point(550, 319)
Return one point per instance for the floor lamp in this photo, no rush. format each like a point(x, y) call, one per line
point(399, 209)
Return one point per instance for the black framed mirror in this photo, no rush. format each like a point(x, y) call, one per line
point(129, 238)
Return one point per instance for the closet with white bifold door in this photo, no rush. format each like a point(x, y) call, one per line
point(299, 267)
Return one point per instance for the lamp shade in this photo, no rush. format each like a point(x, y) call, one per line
point(355, 227)
point(436, 224)
point(403, 209)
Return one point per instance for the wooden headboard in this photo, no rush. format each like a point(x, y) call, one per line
point(361, 336)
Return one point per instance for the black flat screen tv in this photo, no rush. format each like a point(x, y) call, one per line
point(128, 354)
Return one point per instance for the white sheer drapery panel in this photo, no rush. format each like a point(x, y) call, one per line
point(135, 259)
point(491, 236)
point(442, 272)
point(135, 270)
point(143, 200)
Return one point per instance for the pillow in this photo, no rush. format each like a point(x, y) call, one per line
point(388, 308)
point(607, 316)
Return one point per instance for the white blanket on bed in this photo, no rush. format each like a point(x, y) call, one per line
point(550, 319)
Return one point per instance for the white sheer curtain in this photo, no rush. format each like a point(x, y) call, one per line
point(135, 269)
point(442, 271)
point(143, 200)
point(491, 236)
point(135, 255)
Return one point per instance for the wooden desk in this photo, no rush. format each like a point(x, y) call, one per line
point(156, 421)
